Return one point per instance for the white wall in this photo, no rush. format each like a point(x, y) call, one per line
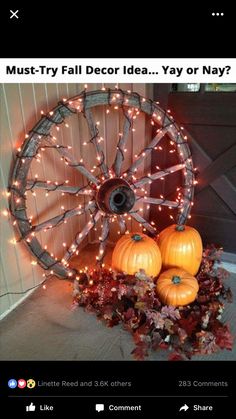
point(20, 106)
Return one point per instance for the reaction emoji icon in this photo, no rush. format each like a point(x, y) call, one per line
point(21, 383)
point(31, 383)
point(12, 383)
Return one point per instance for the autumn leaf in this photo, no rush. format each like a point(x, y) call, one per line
point(113, 322)
point(188, 325)
point(168, 325)
point(206, 342)
point(228, 295)
point(222, 273)
point(163, 345)
point(156, 340)
point(141, 351)
point(182, 335)
point(141, 274)
point(175, 356)
point(142, 330)
point(122, 290)
point(142, 287)
point(215, 306)
point(129, 313)
point(171, 312)
point(140, 305)
point(155, 318)
point(224, 339)
point(107, 312)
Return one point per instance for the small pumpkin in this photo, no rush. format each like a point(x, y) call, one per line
point(177, 287)
point(135, 251)
point(181, 246)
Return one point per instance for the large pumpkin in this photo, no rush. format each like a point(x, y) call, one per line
point(177, 287)
point(136, 251)
point(181, 246)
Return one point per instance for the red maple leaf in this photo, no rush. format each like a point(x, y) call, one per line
point(206, 342)
point(175, 356)
point(141, 351)
point(129, 314)
point(224, 339)
point(188, 325)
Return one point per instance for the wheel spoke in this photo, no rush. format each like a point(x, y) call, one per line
point(121, 143)
point(157, 175)
point(55, 221)
point(146, 151)
point(94, 140)
point(103, 238)
point(161, 201)
point(70, 160)
point(80, 236)
point(143, 222)
point(60, 187)
point(122, 224)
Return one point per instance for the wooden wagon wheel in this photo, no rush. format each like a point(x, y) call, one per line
point(112, 192)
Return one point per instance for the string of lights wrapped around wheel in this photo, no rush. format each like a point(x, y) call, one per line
point(112, 192)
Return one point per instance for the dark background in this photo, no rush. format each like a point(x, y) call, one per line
point(117, 29)
point(148, 379)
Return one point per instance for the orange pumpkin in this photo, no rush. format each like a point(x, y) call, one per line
point(181, 246)
point(176, 287)
point(136, 251)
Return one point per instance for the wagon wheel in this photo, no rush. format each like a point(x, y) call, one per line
point(113, 193)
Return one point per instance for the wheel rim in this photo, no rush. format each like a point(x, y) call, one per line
point(112, 191)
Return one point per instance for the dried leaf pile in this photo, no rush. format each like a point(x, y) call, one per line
point(132, 301)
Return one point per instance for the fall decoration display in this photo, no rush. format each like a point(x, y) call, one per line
point(131, 300)
point(136, 251)
point(181, 246)
point(177, 287)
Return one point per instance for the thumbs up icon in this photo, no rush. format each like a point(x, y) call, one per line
point(30, 408)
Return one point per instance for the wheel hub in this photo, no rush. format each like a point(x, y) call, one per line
point(115, 196)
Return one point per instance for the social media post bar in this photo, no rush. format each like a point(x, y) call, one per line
point(112, 389)
point(111, 379)
point(119, 396)
point(120, 406)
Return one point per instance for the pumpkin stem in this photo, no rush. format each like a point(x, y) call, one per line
point(176, 279)
point(180, 228)
point(136, 237)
